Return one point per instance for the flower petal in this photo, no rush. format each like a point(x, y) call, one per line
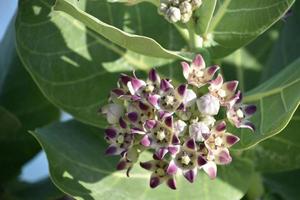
point(221, 126)
point(201, 161)
point(210, 72)
point(110, 133)
point(155, 181)
point(153, 100)
point(161, 152)
point(112, 150)
point(181, 90)
point(217, 83)
point(133, 116)
point(185, 69)
point(122, 123)
point(210, 169)
point(171, 182)
point(134, 85)
point(153, 76)
point(191, 175)
point(249, 110)
point(222, 157)
point(113, 112)
point(190, 144)
point(230, 139)
point(190, 98)
point(172, 168)
point(198, 62)
point(247, 124)
point(149, 165)
point(145, 141)
point(169, 121)
point(150, 124)
point(165, 85)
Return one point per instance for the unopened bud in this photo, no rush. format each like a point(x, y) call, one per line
point(185, 17)
point(163, 8)
point(208, 105)
point(196, 3)
point(199, 131)
point(173, 14)
point(185, 7)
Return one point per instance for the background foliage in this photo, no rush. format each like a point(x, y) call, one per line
point(71, 52)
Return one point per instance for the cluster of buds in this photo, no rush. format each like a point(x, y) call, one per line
point(178, 10)
point(182, 126)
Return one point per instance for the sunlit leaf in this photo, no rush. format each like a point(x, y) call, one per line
point(79, 168)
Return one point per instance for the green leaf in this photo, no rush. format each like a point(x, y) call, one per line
point(247, 63)
point(238, 22)
point(281, 150)
point(73, 66)
point(204, 15)
point(85, 173)
point(276, 100)
point(40, 190)
point(286, 49)
point(284, 185)
point(139, 44)
point(22, 107)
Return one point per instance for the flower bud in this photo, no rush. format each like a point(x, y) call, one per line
point(199, 131)
point(163, 8)
point(173, 14)
point(185, 7)
point(179, 127)
point(113, 112)
point(185, 17)
point(208, 120)
point(196, 3)
point(208, 105)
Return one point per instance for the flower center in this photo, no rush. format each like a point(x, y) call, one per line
point(240, 113)
point(160, 172)
point(169, 100)
point(120, 139)
point(149, 88)
point(199, 73)
point(218, 141)
point(161, 135)
point(222, 93)
point(185, 160)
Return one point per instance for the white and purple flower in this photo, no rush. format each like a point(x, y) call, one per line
point(177, 123)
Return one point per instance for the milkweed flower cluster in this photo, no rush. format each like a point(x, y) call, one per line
point(182, 125)
point(178, 10)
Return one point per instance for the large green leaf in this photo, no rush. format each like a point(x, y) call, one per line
point(204, 15)
point(238, 22)
point(22, 107)
point(287, 48)
point(74, 67)
point(139, 44)
point(276, 100)
point(246, 64)
point(281, 152)
point(283, 185)
point(79, 168)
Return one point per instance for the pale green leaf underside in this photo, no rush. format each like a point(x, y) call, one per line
point(139, 44)
point(281, 150)
point(277, 99)
point(79, 168)
point(238, 22)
